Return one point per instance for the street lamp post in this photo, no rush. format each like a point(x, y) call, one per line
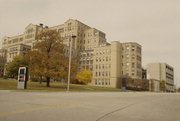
point(69, 70)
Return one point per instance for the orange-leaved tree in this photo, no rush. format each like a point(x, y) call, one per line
point(47, 59)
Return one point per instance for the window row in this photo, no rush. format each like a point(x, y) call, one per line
point(13, 49)
point(103, 66)
point(132, 48)
point(86, 62)
point(169, 68)
point(12, 55)
point(127, 56)
point(15, 40)
point(29, 36)
point(101, 59)
point(88, 67)
point(108, 51)
point(106, 73)
point(102, 82)
point(138, 73)
point(133, 64)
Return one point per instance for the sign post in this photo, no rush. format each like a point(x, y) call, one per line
point(22, 78)
point(123, 84)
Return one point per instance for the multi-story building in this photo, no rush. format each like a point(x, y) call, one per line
point(107, 66)
point(131, 54)
point(162, 72)
point(107, 62)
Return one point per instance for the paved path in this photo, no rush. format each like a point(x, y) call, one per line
point(90, 106)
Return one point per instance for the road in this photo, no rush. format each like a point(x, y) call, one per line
point(89, 106)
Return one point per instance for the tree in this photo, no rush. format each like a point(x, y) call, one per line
point(13, 67)
point(163, 85)
point(48, 58)
point(178, 89)
point(84, 76)
point(137, 84)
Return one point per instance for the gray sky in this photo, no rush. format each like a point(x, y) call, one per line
point(155, 24)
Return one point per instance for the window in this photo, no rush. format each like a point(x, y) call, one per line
point(102, 82)
point(100, 59)
point(30, 30)
point(138, 50)
point(87, 62)
point(133, 65)
point(106, 82)
point(91, 61)
point(99, 82)
point(96, 59)
point(15, 40)
point(61, 30)
point(106, 73)
point(20, 39)
point(133, 48)
point(95, 82)
point(69, 27)
point(133, 56)
point(138, 58)
point(106, 58)
point(29, 36)
point(9, 42)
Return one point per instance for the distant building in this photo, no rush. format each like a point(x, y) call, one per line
point(154, 85)
point(162, 72)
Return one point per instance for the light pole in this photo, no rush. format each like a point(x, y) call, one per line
point(69, 71)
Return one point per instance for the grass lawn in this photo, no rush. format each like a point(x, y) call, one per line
point(10, 84)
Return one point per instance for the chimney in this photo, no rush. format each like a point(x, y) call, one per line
point(41, 24)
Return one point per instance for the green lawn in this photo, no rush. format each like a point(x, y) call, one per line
point(10, 84)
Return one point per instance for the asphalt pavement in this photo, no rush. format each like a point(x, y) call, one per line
point(89, 106)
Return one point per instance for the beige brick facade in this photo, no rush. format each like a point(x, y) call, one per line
point(131, 53)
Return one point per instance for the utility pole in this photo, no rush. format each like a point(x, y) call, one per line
point(69, 70)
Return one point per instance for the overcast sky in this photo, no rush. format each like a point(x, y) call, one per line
point(155, 24)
